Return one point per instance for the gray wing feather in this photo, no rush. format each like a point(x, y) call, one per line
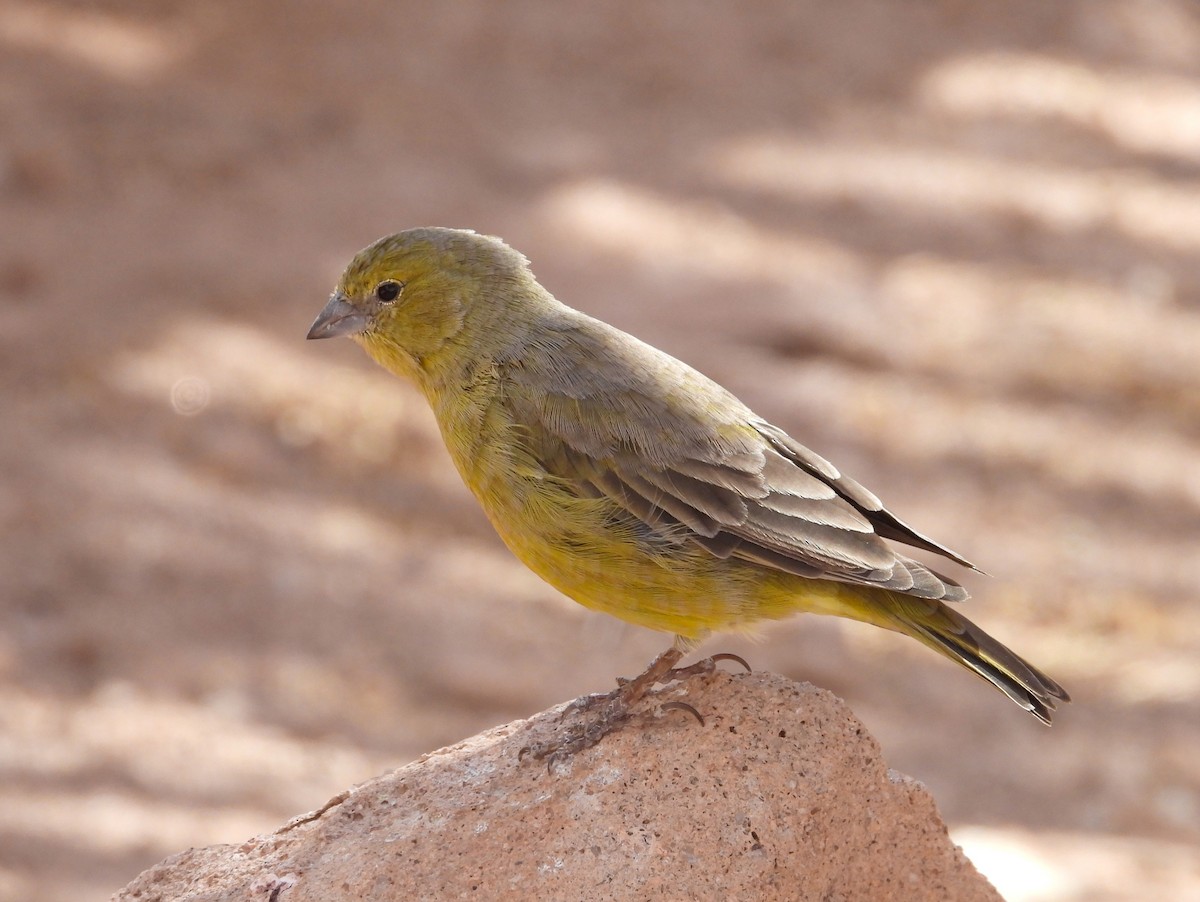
point(685, 457)
point(885, 523)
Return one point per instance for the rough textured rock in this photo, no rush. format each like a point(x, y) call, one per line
point(781, 795)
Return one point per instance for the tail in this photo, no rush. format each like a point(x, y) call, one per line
point(953, 635)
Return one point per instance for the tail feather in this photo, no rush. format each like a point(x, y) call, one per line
point(953, 635)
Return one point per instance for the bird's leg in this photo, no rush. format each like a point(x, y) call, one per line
point(632, 691)
point(604, 713)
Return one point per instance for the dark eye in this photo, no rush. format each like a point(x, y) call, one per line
point(388, 290)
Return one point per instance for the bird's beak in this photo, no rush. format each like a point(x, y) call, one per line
point(339, 317)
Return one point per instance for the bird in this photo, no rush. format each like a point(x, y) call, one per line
point(631, 482)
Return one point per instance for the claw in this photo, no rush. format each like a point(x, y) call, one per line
point(705, 666)
point(683, 706)
point(730, 656)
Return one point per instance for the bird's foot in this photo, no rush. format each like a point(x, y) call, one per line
point(598, 715)
point(703, 667)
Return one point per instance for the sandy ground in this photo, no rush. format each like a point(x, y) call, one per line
point(955, 247)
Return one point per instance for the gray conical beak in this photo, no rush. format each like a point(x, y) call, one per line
point(339, 317)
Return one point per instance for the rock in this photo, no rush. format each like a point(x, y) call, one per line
point(781, 795)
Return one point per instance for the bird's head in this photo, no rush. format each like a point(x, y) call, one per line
point(410, 298)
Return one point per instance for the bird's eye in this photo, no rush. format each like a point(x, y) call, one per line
point(388, 290)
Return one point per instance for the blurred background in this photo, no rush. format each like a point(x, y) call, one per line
point(953, 246)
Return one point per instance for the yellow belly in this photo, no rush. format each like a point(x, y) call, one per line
point(600, 556)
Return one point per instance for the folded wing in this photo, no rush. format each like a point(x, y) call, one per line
point(680, 453)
